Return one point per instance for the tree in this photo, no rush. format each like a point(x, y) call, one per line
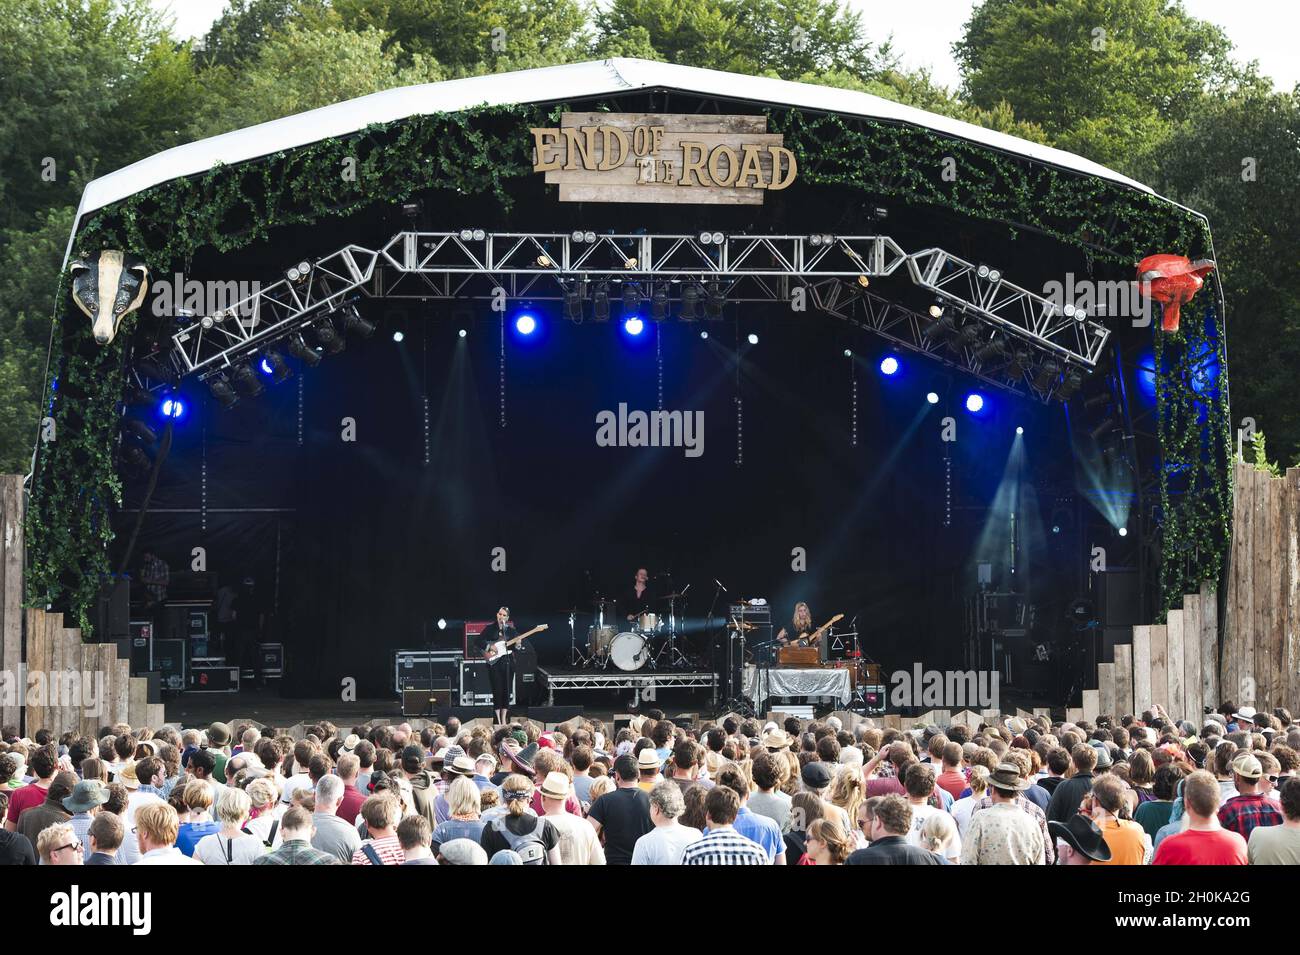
point(86, 85)
point(785, 38)
point(470, 37)
point(246, 24)
point(297, 69)
point(1237, 159)
point(1105, 78)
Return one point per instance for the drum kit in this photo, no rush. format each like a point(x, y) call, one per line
point(650, 640)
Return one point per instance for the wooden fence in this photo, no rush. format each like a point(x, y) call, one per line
point(1261, 648)
point(71, 686)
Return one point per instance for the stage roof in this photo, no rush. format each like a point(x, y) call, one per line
point(549, 84)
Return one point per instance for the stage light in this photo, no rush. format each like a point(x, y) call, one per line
point(1019, 362)
point(932, 397)
point(659, 303)
point(398, 336)
point(576, 235)
point(600, 302)
point(991, 351)
point(442, 623)
point(413, 209)
point(206, 322)
point(1046, 376)
point(173, 408)
point(631, 297)
point(299, 272)
point(462, 333)
point(479, 235)
point(299, 349)
point(1072, 382)
point(967, 336)
point(274, 365)
point(246, 380)
point(863, 281)
point(995, 275)
point(329, 338)
point(974, 402)
point(573, 302)
point(753, 339)
point(690, 302)
point(354, 324)
point(848, 353)
point(223, 392)
point(889, 365)
point(1019, 430)
point(704, 334)
point(936, 309)
point(982, 271)
point(1123, 532)
point(714, 301)
point(466, 235)
point(525, 324)
point(633, 325)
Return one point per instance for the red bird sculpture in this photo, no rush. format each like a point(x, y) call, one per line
point(1171, 280)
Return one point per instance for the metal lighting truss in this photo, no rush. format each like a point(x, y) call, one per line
point(619, 680)
point(478, 265)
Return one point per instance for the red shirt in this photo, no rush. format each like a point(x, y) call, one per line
point(952, 780)
point(1198, 847)
point(571, 804)
point(885, 786)
point(24, 798)
point(350, 806)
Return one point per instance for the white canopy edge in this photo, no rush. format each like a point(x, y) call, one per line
point(548, 84)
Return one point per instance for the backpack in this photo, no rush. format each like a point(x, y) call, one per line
point(531, 848)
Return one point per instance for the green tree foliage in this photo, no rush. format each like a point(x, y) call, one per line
point(1108, 79)
point(1237, 159)
point(247, 24)
point(297, 69)
point(471, 37)
point(84, 85)
point(785, 38)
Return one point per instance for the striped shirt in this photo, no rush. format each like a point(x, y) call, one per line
point(723, 845)
point(388, 849)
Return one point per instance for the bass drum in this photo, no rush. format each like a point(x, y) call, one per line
point(629, 651)
point(599, 639)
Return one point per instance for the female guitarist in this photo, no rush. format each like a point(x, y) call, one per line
point(490, 645)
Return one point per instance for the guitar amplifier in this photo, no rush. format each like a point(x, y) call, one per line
point(423, 669)
point(169, 662)
point(140, 636)
point(473, 628)
point(476, 687)
point(422, 702)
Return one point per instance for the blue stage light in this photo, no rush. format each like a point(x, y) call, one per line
point(525, 323)
point(633, 325)
point(932, 397)
point(173, 408)
point(398, 336)
point(974, 402)
point(704, 334)
point(462, 333)
point(753, 339)
point(889, 365)
point(1123, 532)
point(1020, 430)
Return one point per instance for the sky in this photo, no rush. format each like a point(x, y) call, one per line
point(924, 30)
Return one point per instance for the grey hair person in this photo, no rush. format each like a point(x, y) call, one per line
point(666, 796)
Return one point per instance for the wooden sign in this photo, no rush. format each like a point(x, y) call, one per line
point(663, 157)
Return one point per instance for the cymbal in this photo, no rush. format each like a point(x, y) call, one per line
point(741, 625)
point(672, 597)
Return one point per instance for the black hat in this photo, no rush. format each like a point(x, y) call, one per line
point(1083, 836)
point(816, 775)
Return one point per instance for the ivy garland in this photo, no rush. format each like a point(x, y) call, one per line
point(1195, 438)
point(1113, 222)
point(483, 152)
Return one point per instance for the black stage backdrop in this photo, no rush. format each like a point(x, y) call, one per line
point(361, 545)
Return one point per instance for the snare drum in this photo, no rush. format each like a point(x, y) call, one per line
point(648, 623)
point(629, 651)
point(599, 639)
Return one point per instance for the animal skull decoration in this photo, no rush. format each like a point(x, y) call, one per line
point(107, 288)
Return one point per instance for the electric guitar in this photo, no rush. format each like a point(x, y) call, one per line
point(502, 647)
point(811, 639)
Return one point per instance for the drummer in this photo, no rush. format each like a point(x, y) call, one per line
point(637, 599)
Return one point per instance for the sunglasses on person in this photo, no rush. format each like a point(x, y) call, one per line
point(70, 845)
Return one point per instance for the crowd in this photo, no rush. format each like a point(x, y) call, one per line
point(1139, 789)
